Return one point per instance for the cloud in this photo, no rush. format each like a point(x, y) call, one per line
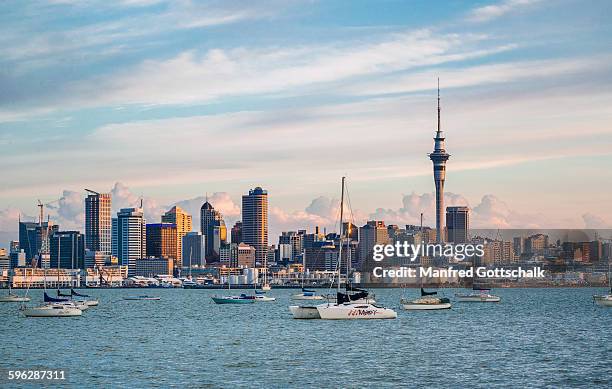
point(494, 11)
point(221, 201)
point(412, 207)
point(594, 221)
point(69, 211)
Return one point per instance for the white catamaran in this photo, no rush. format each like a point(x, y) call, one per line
point(351, 306)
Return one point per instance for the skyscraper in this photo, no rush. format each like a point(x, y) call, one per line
point(194, 249)
point(255, 222)
point(236, 232)
point(457, 224)
point(161, 240)
point(439, 158)
point(182, 219)
point(67, 247)
point(213, 227)
point(98, 222)
point(129, 237)
point(33, 238)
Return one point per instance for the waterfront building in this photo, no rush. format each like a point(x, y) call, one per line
point(183, 222)
point(458, 224)
point(439, 158)
point(255, 222)
point(67, 248)
point(213, 228)
point(129, 237)
point(194, 249)
point(111, 276)
point(53, 278)
point(98, 222)
point(149, 267)
point(161, 240)
point(236, 233)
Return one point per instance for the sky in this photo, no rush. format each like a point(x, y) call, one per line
point(174, 101)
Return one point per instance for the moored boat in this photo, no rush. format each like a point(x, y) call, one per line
point(52, 310)
point(477, 298)
point(426, 302)
point(144, 297)
point(242, 299)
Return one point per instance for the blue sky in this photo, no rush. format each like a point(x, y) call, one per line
point(173, 100)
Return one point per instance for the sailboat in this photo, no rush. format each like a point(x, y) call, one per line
point(241, 299)
point(605, 300)
point(425, 302)
point(348, 307)
point(53, 307)
point(306, 294)
point(481, 295)
point(11, 297)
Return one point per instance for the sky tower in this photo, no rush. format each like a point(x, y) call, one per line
point(439, 158)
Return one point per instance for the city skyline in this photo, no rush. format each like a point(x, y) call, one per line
point(523, 111)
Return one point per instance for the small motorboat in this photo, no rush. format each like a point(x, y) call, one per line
point(603, 301)
point(143, 297)
point(242, 299)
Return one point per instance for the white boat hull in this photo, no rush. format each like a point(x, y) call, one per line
point(52, 310)
point(478, 299)
point(425, 307)
point(306, 297)
point(604, 302)
point(13, 298)
point(304, 312)
point(264, 299)
point(354, 312)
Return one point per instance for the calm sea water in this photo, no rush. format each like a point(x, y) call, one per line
point(533, 338)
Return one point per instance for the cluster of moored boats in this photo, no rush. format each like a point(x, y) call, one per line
point(65, 305)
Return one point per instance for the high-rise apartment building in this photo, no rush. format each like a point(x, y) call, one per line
point(255, 222)
point(373, 233)
point(458, 224)
point(295, 242)
point(129, 237)
point(213, 228)
point(182, 219)
point(98, 222)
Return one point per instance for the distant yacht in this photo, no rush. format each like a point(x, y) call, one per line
point(426, 302)
point(606, 299)
point(12, 297)
point(261, 296)
point(482, 297)
point(52, 310)
point(143, 297)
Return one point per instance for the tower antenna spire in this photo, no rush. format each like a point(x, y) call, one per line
point(438, 104)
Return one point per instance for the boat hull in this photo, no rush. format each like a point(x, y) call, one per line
point(52, 311)
point(14, 299)
point(230, 300)
point(478, 299)
point(141, 298)
point(425, 307)
point(354, 312)
point(265, 299)
point(306, 297)
point(604, 302)
point(304, 312)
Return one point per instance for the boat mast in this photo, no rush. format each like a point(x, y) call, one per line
point(341, 228)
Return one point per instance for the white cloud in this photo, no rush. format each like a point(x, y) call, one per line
point(494, 11)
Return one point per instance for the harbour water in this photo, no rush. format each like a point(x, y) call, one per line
point(533, 338)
